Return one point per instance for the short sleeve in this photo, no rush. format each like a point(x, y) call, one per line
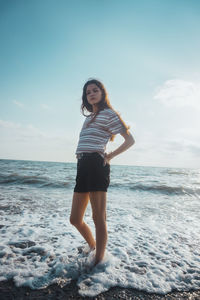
point(114, 125)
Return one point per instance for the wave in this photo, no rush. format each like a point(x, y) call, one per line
point(39, 181)
point(47, 182)
point(176, 173)
point(159, 188)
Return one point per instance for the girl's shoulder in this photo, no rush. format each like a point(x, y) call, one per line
point(108, 111)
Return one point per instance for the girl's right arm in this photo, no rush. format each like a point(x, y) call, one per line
point(128, 142)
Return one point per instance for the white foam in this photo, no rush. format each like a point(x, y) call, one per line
point(153, 242)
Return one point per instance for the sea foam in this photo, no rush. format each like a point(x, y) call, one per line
point(153, 237)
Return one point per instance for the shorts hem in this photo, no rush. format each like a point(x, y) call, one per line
point(90, 190)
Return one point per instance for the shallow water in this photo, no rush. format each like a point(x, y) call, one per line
point(153, 226)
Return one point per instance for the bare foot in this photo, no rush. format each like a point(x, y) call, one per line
point(97, 261)
point(85, 249)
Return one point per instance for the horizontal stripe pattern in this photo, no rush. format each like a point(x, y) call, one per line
point(95, 135)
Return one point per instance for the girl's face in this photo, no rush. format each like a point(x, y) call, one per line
point(93, 94)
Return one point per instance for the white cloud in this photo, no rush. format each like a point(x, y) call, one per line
point(8, 124)
point(18, 103)
point(45, 107)
point(20, 141)
point(172, 149)
point(20, 131)
point(179, 93)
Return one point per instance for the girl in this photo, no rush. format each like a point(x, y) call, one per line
point(93, 169)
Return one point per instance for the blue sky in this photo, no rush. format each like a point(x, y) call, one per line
point(145, 52)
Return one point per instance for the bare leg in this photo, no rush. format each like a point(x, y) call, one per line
point(98, 203)
point(79, 204)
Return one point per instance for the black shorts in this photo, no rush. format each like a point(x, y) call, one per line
point(92, 175)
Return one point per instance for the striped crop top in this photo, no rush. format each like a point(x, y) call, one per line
point(95, 135)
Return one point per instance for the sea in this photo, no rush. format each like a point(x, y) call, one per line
point(153, 221)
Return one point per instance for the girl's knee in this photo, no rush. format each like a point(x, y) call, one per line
point(74, 221)
point(99, 219)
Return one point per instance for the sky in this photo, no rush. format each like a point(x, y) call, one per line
point(146, 53)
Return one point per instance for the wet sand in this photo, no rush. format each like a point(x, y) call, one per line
point(8, 291)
